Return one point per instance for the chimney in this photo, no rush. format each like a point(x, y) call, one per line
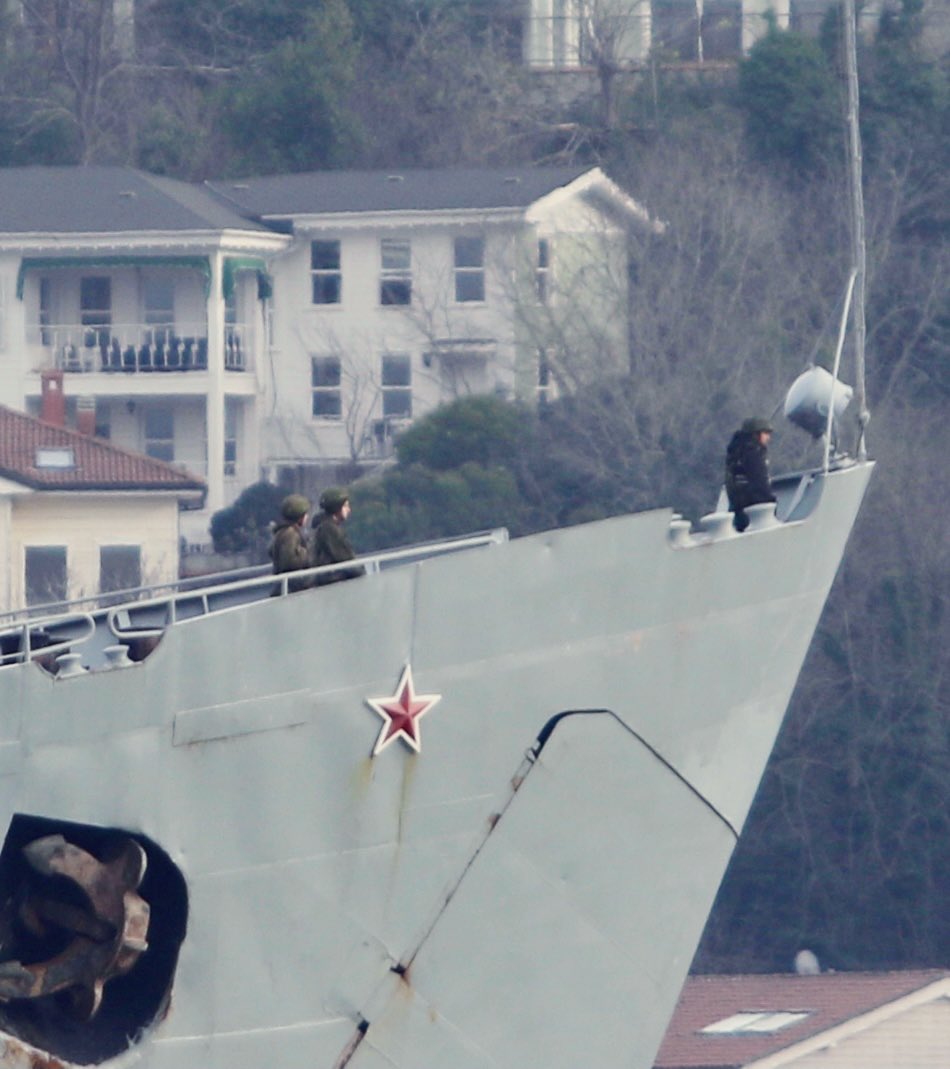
point(53, 402)
point(86, 415)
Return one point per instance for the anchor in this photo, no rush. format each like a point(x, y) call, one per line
point(108, 928)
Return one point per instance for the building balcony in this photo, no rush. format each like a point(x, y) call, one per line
point(132, 348)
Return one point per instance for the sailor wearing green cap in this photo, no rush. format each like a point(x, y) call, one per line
point(331, 545)
point(289, 550)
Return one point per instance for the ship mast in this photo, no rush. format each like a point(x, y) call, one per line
point(858, 246)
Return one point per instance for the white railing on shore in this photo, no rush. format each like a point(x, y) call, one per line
point(147, 612)
point(138, 347)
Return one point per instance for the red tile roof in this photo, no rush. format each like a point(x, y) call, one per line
point(97, 464)
point(830, 998)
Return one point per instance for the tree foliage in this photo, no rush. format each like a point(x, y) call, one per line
point(290, 112)
point(791, 103)
point(245, 526)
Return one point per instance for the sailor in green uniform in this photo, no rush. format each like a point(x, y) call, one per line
point(289, 550)
point(331, 545)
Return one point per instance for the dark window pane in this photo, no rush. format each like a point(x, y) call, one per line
point(325, 371)
point(45, 574)
point(326, 289)
point(325, 255)
point(120, 568)
point(159, 423)
point(95, 293)
point(397, 371)
point(397, 403)
point(395, 255)
point(395, 291)
point(161, 451)
point(469, 252)
point(470, 286)
point(326, 403)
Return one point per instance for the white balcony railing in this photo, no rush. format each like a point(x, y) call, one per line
point(135, 347)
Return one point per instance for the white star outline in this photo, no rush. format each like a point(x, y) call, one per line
point(408, 704)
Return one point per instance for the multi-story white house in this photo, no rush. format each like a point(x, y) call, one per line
point(291, 325)
point(400, 291)
point(149, 295)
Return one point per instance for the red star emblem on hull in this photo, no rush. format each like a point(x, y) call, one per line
point(401, 713)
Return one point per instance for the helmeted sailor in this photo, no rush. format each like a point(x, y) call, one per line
point(331, 544)
point(289, 550)
point(748, 481)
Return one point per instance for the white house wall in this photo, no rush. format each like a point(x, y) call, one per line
point(918, 1037)
point(84, 523)
point(12, 331)
point(360, 331)
point(6, 518)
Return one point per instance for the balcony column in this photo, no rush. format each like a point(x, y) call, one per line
point(214, 402)
point(6, 565)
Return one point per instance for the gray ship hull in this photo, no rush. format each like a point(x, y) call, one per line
point(497, 886)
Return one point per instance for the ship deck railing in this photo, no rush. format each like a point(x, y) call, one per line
point(142, 614)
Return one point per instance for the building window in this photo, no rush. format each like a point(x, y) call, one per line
point(555, 33)
point(95, 308)
point(395, 284)
point(469, 269)
point(325, 379)
point(326, 276)
point(230, 439)
point(158, 298)
point(160, 432)
point(46, 311)
point(544, 378)
point(542, 276)
point(120, 568)
point(397, 386)
point(45, 574)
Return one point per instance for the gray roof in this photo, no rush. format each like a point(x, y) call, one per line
point(447, 189)
point(102, 200)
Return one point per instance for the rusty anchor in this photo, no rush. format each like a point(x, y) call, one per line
point(109, 927)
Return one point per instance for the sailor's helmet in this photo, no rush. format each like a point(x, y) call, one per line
point(756, 425)
point(294, 506)
point(334, 499)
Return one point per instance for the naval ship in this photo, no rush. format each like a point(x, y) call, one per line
point(469, 809)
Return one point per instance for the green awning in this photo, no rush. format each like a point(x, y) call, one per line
point(53, 263)
point(233, 264)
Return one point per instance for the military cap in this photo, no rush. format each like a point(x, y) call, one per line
point(756, 425)
point(294, 506)
point(334, 499)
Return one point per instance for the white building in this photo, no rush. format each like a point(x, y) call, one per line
point(290, 325)
point(401, 291)
point(149, 296)
point(572, 34)
point(78, 516)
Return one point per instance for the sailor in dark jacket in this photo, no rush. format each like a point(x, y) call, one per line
point(747, 469)
point(330, 542)
point(289, 550)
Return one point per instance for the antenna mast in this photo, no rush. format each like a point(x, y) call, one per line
point(858, 246)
